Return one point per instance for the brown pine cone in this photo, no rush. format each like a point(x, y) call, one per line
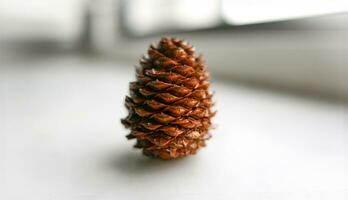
point(169, 104)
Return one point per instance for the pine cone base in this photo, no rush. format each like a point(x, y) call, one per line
point(169, 104)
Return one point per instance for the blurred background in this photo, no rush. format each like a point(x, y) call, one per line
point(279, 70)
point(297, 46)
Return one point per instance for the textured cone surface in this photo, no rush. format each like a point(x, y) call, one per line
point(169, 104)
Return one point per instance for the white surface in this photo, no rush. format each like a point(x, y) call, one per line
point(61, 139)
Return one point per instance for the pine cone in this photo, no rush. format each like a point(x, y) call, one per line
point(169, 104)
